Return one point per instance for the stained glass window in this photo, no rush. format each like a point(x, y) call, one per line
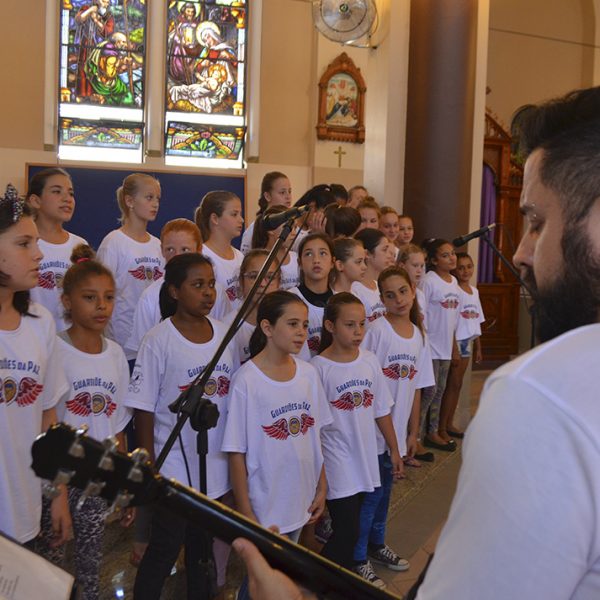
point(102, 58)
point(206, 48)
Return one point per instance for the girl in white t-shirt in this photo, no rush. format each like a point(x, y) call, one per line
point(98, 375)
point(273, 431)
point(360, 403)
point(219, 217)
point(441, 301)
point(177, 236)
point(251, 265)
point(275, 189)
point(468, 338)
point(172, 354)
point(51, 195)
point(349, 264)
point(406, 229)
point(131, 253)
point(32, 379)
point(261, 238)
point(316, 264)
point(380, 253)
point(412, 259)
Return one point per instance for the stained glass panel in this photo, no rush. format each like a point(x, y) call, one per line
point(100, 134)
point(103, 52)
point(206, 47)
point(204, 141)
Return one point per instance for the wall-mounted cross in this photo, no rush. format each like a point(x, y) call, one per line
point(339, 153)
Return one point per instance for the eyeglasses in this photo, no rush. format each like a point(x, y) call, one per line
point(252, 275)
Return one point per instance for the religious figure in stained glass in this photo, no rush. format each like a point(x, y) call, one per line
point(102, 52)
point(206, 46)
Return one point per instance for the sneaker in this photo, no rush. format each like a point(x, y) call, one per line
point(323, 529)
point(366, 572)
point(387, 557)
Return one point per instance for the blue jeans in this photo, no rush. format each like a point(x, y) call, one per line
point(373, 512)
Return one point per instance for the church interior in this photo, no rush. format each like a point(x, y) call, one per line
point(443, 80)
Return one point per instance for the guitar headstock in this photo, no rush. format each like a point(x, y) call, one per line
point(64, 455)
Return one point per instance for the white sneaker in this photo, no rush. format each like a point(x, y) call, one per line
point(366, 572)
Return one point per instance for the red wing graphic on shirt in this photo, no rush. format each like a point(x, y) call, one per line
point(231, 293)
point(81, 405)
point(156, 274)
point(313, 343)
point(183, 388)
point(222, 386)
point(469, 314)
point(367, 398)
point(46, 280)
point(306, 421)
point(449, 303)
point(392, 371)
point(279, 430)
point(412, 372)
point(110, 406)
point(344, 402)
point(139, 273)
point(29, 390)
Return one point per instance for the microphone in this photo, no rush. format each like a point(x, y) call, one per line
point(271, 222)
point(463, 239)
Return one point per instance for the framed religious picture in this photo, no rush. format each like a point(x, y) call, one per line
point(342, 102)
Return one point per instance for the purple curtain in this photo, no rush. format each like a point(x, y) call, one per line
point(485, 268)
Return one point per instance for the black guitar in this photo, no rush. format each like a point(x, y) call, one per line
point(68, 456)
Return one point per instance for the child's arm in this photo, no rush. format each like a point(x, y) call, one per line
point(239, 482)
point(386, 426)
point(144, 427)
point(455, 353)
point(477, 348)
point(413, 424)
point(318, 504)
point(62, 526)
point(127, 514)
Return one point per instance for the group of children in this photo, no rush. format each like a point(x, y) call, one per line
point(338, 377)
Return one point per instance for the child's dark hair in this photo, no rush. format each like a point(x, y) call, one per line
point(431, 247)
point(320, 195)
point(343, 247)
point(84, 265)
point(341, 220)
point(415, 312)
point(10, 206)
point(213, 203)
point(309, 238)
point(260, 234)
point(339, 191)
point(271, 308)
point(266, 186)
point(252, 254)
point(176, 272)
point(332, 312)
point(370, 238)
point(460, 256)
point(38, 182)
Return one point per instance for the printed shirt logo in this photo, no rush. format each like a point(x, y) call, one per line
point(146, 273)
point(283, 428)
point(49, 280)
point(232, 293)
point(25, 393)
point(219, 386)
point(398, 371)
point(450, 303)
point(85, 404)
point(313, 343)
point(352, 400)
point(469, 313)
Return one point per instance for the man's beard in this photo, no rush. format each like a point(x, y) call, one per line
point(573, 298)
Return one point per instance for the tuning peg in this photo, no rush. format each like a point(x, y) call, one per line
point(52, 490)
point(122, 500)
point(107, 463)
point(93, 488)
point(139, 456)
point(76, 450)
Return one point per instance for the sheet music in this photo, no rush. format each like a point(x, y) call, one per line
point(25, 575)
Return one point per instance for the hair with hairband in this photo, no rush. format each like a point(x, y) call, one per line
point(11, 197)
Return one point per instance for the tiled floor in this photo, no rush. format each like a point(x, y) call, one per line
point(418, 509)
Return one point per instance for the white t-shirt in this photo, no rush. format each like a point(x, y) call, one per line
point(54, 265)
point(526, 513)
point(240, 344)
point(277, 425)
point(32, 381)
point(470, 314)
point(147, 312)
point(166, 364)
point(290, 273)
point(407, 367)
point(97, 388)
point(441, 304)
point(227, 272)
point(357, 395)
point(246, 244)
point(315, 326)
point(374, 307)
point(135, 266)
point(301, 235)
point(422, 306)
